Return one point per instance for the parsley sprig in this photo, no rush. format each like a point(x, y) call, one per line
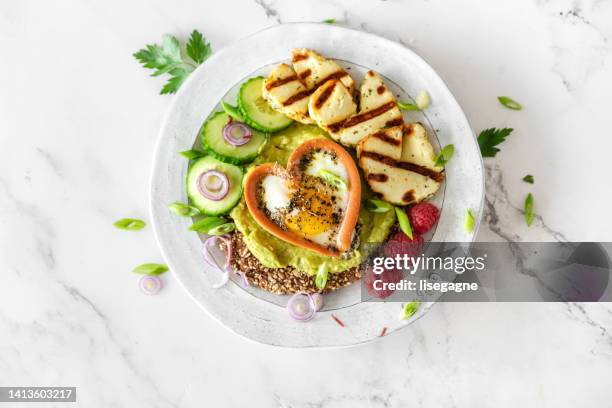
point(167, 58)
point(489, 138)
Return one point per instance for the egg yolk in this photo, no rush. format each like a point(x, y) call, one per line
point(315, 212)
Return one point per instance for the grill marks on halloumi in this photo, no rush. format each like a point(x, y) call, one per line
point(377, 110)
point(386, 142)
point(315, 70)
point(280, 88)
point(288, 89)
point(332, 102)
point(409, 178)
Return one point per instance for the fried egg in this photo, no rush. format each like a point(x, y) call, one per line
point(308, 204)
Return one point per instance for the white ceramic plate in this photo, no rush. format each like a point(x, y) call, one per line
point(253, 314)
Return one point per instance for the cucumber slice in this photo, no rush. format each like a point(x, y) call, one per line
point(255, 109)
point(215, 144)
point(205, 205)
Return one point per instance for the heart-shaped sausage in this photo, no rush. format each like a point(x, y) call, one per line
point(296, 201)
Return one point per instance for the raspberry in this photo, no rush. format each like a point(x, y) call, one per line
point(387, 276)
point(401, 244)
point(423, 216)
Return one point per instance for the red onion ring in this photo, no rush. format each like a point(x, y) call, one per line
point(150, 285)
point(231, 138)
point(301, 307)
point(211, 188)
point(245, 280)
point(211, 261)
point(228, 250)
point(317, 300)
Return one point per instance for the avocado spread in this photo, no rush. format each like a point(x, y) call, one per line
point(273, 252)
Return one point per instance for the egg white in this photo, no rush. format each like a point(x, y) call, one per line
point(276, 193)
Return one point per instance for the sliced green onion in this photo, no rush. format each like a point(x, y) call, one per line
point(407, 106)
point(469, 221)
point(130, 224)
point(192, 154)
point(206, 224)
point(321, 278)
point(409, 309)
point(529, 216)
point(445, 155)
point(509, 103)
point(378, 206)
point(183, 210)
point(222, 229)
point(233, 111)
point(528, 179)
point(404, 221)
point(333, 179)
point(150, 269)
point(422, 100)
point(330, 21)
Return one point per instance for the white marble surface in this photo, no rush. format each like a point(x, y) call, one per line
point(79, 119)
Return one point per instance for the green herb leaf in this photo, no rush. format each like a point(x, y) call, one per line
point(206, 224)
point(529, 215)
point(445, 155)
point(321, 278)
point(410, 309)
point(404, 221)
point(197, 48)
point(184, 210)
point(192, 154)
point(233, 111)
point(509, 103)
point(161, 58)
point(378, 206)
point(407, 106)
point(179, 75)
point(150, 269)
point(330, 21)
point(333, 179)
point(469, 221)
point(489, 138)
point(222, 229)
point(167, 59)
point(130, 224)
point(528, 179)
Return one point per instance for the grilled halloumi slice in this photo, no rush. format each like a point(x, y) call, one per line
point(374, 93)
point(331, 103)
point(314, 70)
point(377, 110)
point(412, 178)
point(283, 90)
point(416, 148)
point(387, 142)
point(288, 89)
